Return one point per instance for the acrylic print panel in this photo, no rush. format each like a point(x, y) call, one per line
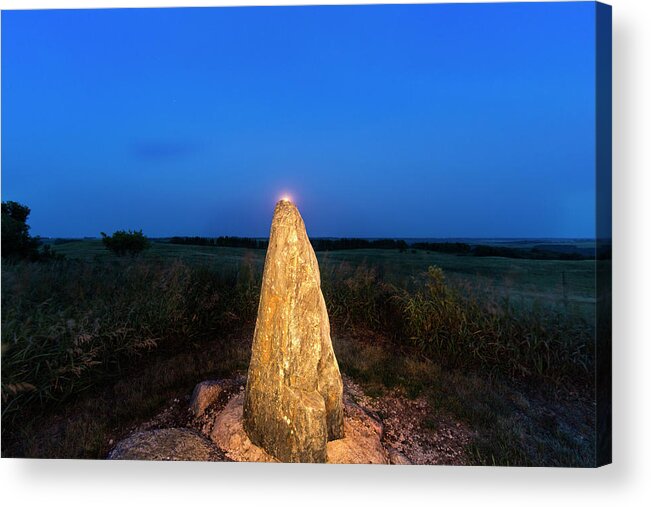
point(342, 234)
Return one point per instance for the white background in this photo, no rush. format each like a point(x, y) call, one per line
point(626, 482)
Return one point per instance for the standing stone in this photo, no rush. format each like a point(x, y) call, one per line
point(293, 399)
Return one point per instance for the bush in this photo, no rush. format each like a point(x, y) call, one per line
point(126, 242)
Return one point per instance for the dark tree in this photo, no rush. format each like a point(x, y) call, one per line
point(16, 241)
point(126, 242)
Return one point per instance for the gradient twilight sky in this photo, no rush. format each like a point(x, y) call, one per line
point(380, 121)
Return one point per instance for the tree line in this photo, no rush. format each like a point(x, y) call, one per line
point(319, 244)
point(17, 243)
point(230, 241)
point(569, 253)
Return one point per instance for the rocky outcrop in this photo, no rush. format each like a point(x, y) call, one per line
point(171, 444)
point(293, 400)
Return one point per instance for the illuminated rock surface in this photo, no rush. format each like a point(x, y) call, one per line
point(204, 395)
point(173, 444)
point(361, 445)
point(293, 401)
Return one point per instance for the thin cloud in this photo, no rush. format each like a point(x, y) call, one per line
point(162, 150)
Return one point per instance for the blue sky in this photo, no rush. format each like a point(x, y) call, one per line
point(401, 121)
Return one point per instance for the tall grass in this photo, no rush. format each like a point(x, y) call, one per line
point(466, 332)
point(459, 328)
point(67, 325)
point(356, 297)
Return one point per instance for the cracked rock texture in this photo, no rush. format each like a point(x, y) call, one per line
point(293, 400)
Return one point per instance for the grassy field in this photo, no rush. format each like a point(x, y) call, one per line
point(550, 282)
point(95, 344)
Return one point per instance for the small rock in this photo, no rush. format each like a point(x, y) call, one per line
point(204, 394)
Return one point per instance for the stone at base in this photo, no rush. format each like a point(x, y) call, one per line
point(361, 443)
point(228, 433)
point(205, 394)
point(171, 444)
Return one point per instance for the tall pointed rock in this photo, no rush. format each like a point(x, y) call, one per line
point(293, 400)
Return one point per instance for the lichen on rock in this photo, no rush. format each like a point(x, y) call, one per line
point(293, 400)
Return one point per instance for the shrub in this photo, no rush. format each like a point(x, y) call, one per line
point(126, 242)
